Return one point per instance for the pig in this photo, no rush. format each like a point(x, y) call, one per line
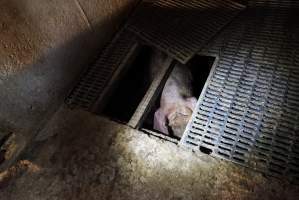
point(176, 104)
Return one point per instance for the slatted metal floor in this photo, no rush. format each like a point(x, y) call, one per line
point(249, 111)
point(94, 80)
point(180, 28)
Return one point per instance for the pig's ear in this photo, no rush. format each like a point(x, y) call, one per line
point(160, 122)
point(191, 102)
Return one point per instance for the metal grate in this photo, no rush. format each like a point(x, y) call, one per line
point(248, 111)
point(274, 3)
point(175, 13)
point(96, 77)
point(181, 27)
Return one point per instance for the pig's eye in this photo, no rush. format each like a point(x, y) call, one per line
point(184, 96)
point(167, 122)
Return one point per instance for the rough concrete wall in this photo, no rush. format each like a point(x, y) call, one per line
point(43, 47)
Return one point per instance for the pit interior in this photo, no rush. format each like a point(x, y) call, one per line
point(135, 80)
point(200, 67)
point(131, 87)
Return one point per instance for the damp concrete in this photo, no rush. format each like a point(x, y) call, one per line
point(84, 156)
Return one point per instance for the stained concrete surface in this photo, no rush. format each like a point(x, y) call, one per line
point(90, 157)
point(44, 46)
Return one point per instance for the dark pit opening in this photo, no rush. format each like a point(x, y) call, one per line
point(3, 140)
point(200, 68)
point(2, 156)
point(205, 150)
point(131, 87)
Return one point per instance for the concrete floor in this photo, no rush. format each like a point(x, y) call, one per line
point(84, 156)
point(76, 155)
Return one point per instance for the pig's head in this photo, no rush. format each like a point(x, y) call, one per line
point(179, 117)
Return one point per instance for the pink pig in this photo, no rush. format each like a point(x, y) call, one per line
point(176, 104)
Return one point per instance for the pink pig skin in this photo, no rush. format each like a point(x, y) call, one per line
point(177, 102)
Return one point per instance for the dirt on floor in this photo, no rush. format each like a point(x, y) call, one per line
point(76, 155)
point(82, 156)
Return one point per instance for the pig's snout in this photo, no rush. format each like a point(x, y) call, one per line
point(175, 119)
point(180, 114)
point(179, 118)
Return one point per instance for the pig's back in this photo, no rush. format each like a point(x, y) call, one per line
point(178, 86)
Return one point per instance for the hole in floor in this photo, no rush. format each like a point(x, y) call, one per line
point(170, 112)
point(3, 147)
point(2, 156)
point(172, 93)
point(205, 150)
point(132, 85)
